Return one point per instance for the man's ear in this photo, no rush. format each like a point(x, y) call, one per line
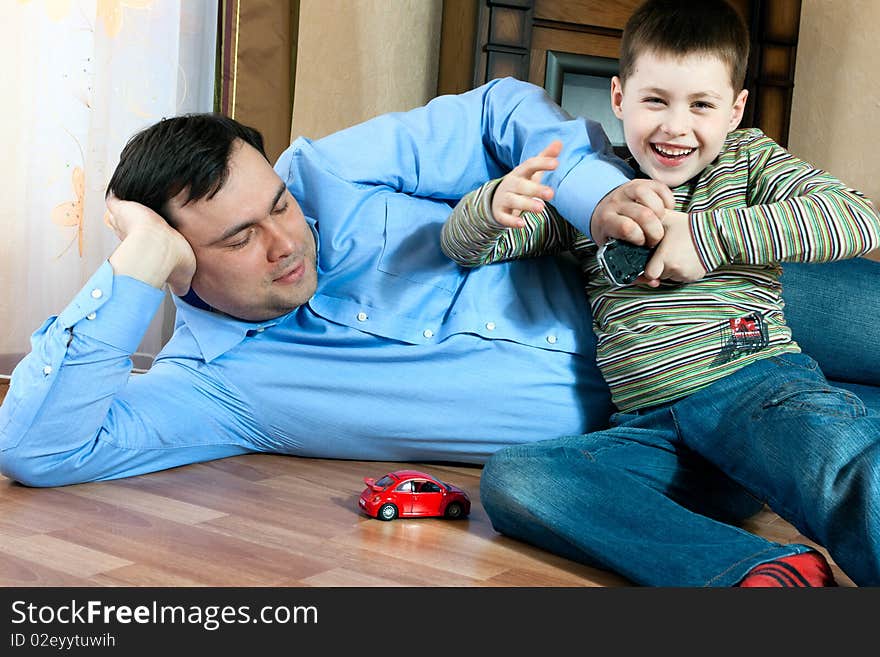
point(617, 97)
point(739, 106)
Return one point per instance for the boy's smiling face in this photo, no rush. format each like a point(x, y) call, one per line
point(676, 113)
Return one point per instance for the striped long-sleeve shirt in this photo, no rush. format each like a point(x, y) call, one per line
point(754, 207)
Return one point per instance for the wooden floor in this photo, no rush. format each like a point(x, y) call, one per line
point(263, 520)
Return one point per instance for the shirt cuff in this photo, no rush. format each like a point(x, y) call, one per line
point(116, 310)
point(582, 188)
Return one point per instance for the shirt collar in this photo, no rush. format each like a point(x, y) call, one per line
point(214, 332)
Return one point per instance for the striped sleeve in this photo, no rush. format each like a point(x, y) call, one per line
point(471, 236)
point(795, 213)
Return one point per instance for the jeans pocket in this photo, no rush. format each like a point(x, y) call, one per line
point(814, 398)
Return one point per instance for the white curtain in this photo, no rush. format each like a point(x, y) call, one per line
point(78, 78)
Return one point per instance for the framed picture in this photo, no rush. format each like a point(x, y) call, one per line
point(581, 84)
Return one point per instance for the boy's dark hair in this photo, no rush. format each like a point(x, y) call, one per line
point(685, 27)
point(188, 152)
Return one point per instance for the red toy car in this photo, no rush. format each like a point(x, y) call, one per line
point(410, 494)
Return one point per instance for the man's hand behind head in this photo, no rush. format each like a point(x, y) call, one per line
point(151, 250)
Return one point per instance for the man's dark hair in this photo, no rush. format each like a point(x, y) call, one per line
point(184, 153)
point(685, 27)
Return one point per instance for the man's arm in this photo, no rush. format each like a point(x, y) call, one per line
point(456, 143)
point(796, 213)
point(73, 412)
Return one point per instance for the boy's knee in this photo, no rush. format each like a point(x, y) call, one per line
point(496, 479)
point(512, 476)
point(499, 470)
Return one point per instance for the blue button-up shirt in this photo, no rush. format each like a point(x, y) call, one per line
point(400, 354)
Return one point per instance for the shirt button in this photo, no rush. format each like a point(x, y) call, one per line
point(362, 317)
point(47, 370)
point(91, 316)
point(97, 294)
point(428, 333)
point(551, 339)
point(490, 326)
point(260, 330)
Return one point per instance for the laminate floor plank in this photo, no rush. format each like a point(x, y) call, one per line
point(193, 552)
point(160, 506)
point(71, 557)
point(19, 571)
point(344, 555)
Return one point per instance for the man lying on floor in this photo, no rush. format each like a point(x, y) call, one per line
point(318, 316)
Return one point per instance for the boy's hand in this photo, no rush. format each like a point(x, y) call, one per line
point(632, 212)
point(675, 257)
point(151, 250)
point(521, 189)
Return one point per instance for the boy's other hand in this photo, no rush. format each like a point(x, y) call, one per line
point(632, 212)
point(150, 250)
point(675, 257)
point(521, 189)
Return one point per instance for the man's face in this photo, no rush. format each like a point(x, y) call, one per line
point(676, 113)
point(255, 254)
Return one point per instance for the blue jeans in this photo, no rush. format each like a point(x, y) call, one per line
point(832, 309)
point(656, 497)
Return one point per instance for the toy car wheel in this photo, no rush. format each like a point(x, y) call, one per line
point(387, 512)
point(454, 510)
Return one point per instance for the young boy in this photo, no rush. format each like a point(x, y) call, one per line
point(719, 412)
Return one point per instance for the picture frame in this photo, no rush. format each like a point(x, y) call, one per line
point(581, 85)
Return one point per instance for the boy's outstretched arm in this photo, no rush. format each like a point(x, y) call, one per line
point(508, 218)
point(521, 189)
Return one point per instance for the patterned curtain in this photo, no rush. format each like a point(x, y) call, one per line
point(79, 78)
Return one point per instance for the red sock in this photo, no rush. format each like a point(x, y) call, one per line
point(798, 570)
